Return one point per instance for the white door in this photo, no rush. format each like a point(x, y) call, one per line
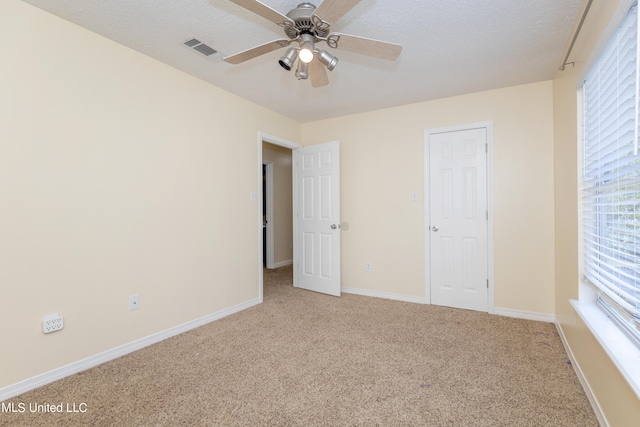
point(317, 216)
point(458, 219)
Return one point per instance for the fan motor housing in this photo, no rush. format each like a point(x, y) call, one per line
point(304, 23)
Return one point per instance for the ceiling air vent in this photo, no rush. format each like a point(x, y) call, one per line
point(192, 42)
point(203, 48)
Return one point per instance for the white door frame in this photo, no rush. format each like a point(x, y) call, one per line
point(265, 137)
point(488, 125)
point(269, 213)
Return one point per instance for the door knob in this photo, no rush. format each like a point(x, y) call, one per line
point(435, 228)
point(334, 226)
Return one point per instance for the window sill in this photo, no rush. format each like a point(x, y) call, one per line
point(618, 346)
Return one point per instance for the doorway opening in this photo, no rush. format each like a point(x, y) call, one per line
point(277, 206)
point(275, 157)
point(314, 243)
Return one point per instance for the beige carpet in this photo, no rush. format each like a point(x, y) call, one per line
point(306, 359)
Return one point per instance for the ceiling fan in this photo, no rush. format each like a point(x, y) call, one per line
point(308, 25)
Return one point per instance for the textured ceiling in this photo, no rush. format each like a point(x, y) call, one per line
point(449, 47)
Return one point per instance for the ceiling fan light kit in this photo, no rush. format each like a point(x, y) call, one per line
point(303, 70)
point(327, 59)
point(288, 58)
point(306, 48)
point(308, 26)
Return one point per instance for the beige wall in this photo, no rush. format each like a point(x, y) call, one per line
point(118, 175)
point(280, 158)
point(382, 163)
point(618, 402)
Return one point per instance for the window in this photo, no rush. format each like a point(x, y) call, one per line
point(611, 177)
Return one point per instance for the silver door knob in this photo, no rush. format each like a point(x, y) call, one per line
point(435, 228)
point(334, 226)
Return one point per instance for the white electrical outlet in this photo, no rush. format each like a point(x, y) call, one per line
point(133, 302)
point(368, 267)
point(52, 322)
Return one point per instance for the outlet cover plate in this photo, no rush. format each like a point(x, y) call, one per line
point(52, 322)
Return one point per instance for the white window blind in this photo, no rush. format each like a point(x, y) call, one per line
point(611, 177)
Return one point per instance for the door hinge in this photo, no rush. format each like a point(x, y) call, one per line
point(487, 283)
point(486, 148)
point(487, 215)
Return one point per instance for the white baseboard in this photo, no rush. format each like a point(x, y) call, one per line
point(282, 263)
point(527, 315)
point(583, 381)
point(385, 295)
point(92, 361)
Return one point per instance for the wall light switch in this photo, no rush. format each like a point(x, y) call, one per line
point(134, 302)
point(414, 196)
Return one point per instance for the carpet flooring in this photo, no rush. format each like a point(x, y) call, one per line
point(307, 359)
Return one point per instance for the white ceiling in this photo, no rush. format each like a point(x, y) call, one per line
point(450, 47)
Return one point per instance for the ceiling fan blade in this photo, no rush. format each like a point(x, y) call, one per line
point(256, 51)
point(332, 10)
point(365, 46)
point(263, 10)
point(318, 74)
